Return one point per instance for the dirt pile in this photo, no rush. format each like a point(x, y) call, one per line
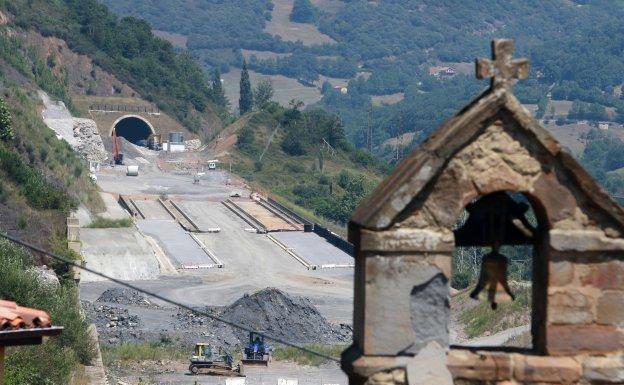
point(125, 296)
point(278, 314)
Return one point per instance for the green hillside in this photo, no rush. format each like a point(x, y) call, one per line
point(42, 180)
point(126, 48)
point(304, 158)
point(387, 49)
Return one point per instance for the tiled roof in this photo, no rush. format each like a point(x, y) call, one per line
point(14, 317)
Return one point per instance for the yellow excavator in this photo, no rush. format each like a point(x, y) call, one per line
point(206, 361)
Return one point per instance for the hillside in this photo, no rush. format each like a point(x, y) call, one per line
point(126, 49)
point(394, 45)
point(301, 157)
point(46, 46)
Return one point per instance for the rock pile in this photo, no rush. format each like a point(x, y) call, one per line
point(192, 144)
point(124, 296)
point(89, 142)
point(115, 324)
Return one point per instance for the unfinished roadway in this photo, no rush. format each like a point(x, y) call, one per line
point(250, 261)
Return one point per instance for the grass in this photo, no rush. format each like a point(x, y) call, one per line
point(144, 352)
point(286, 353)
point(281, 25)
point(107, 223)
point(481, 319)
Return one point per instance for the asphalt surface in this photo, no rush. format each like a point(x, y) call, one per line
point(313, 248)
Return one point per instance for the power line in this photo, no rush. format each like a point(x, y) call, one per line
point(164, 299)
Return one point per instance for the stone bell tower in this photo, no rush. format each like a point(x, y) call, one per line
point(404, 240)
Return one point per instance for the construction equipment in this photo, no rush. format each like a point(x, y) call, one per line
point(118, 157)
point(205, 361)
point(257, 352)
point(154, 142)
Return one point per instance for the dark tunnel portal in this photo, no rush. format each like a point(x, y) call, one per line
point(133, 130)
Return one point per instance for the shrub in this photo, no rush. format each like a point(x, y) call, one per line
point(246, 139)
point(54, 360)
point(33, 186)
point(107, 223)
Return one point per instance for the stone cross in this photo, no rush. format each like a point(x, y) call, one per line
point(502, 68)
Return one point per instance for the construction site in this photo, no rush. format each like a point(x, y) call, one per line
point(198, 235)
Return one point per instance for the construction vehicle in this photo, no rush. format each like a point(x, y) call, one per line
point(154, 142)
point(118, 157)
point(257, 352)
point(206, 361)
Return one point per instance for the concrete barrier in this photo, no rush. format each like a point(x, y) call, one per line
point(186, 216)
point(253, 222)
point(308, 226)
point(210, 254)
point(280, 214)
point(334, 239)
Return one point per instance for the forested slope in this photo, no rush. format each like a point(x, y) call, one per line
point(126, 48)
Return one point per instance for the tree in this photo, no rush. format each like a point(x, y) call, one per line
point(263, 94)
point(246, 95)
point(303, 12)
point(217, 89)
point(6, 122)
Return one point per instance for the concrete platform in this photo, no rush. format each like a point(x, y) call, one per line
point(176, 243)
point(121, 253)
point(206, 215)
point(152, 209)
point(315, 249)
point(268, 219)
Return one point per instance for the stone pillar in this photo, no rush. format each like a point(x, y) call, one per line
point(401, 307)
point(73, 229)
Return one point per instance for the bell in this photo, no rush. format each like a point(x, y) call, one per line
point(493, 278)
point(494, 220)
point(495, 217)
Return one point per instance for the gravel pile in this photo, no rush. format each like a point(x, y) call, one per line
point(288, 317)
point(125, 296)
point(115, 325)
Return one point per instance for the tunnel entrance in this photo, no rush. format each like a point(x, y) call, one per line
point(134, 129)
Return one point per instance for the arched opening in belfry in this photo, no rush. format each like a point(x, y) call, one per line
point(134, 129)
point(499, 274)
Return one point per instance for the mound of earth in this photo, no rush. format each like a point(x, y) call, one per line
point(278, 314)
point(124, 296)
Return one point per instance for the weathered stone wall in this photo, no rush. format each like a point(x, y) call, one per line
point(579, 313)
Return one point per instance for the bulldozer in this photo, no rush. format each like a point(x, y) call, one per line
point(206, 361)
point(257, 352)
